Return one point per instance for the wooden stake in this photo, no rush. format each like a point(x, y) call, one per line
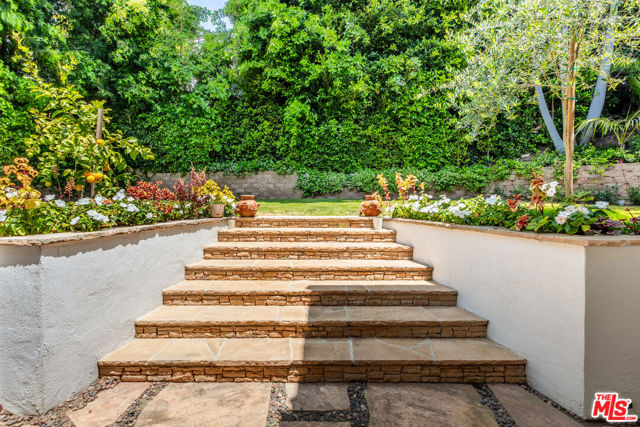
point(98, 136)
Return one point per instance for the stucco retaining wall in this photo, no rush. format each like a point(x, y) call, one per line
point(67, 300)
point(270, 185)
point(566, 304)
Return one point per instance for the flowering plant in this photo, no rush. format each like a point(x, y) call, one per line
point(515, 213)
point(21, 193)
point(53, 215)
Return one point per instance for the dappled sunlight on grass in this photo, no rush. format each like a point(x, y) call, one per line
point(309, 207)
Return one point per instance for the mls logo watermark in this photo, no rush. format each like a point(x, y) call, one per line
point(612, 408)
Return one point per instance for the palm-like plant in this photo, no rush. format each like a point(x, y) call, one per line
point(623, 128)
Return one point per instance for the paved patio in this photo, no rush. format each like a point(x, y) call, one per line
point(309, 405)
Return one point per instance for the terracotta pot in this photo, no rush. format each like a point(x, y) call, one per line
point(370, 206)
point(217, 210)
point(247, 206)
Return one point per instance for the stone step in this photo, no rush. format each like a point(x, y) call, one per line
point(310, 292)
point(459, 360)
point(335, 269)
point(307, 250)
point(305, 235)
point(305, 222)
point(173, 321)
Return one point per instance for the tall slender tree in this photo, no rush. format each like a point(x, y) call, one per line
point(541, 45)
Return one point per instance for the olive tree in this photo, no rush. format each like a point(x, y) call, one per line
point(546, 46)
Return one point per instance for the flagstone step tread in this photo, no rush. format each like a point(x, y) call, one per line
point(310, 292)
point(305, 221)
point(304, 287)
point(308, 265)
point(285, 351)
point(305, 315)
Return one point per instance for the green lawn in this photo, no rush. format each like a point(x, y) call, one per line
point(309, 207)
point(336, 207)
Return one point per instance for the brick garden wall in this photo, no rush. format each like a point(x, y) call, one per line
point(270, 185)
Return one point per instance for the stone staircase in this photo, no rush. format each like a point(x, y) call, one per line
point(311, 299)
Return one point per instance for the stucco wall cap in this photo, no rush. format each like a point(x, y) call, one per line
point(54, 238)
point(545, 237)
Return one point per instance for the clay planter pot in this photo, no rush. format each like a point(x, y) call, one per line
point(370, 206)
point(247, 206)
point(216, 209)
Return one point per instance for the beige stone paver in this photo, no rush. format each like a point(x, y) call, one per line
point(317, 397)
point(108, 406)
point(528, 410)
point(208, 404)
point(426, 404)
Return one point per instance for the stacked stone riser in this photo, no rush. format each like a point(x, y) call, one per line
point(382, 371)
point(336, 330)
point(304, 222)
point(317, 298)
point(306, 235)
point(231, 253)
point(249, 274)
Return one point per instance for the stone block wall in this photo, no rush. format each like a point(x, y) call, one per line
point(270, 185)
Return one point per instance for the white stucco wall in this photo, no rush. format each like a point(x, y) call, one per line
point(612, 355)
point(65, 305)
point(569, 305)
point(531, 292)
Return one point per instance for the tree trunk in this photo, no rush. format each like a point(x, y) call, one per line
point(600, 91)
point(548, 121)
point(569, 119)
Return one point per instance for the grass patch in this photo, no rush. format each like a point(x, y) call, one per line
point(339, 207)
point(309, 207)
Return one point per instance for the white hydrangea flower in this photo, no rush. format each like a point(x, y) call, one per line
point(98, 216)
point(413, 198)
point(3, 216)
point(75, 220)
point(493, 200)
point(415, 206)
point(120, 195)
point(444, 198)
point(621, 202)
point(132, 208)
point(457, 211)
point(130, 199)
point(583, 210)
point(562, 218)
point(188, 205)
point(60, 203)
point(100, 200)
point(84, 201)
point(550, 188)
point(149, 215)
point(49, 197)
point(602, 205)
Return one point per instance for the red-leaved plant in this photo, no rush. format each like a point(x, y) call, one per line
point(150, 191)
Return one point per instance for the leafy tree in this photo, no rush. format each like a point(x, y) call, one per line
point(552, 44)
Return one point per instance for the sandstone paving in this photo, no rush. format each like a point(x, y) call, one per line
point(108, 406)
point(528, 410)
point(317, 397)
point(208, 404)
point(426, 404)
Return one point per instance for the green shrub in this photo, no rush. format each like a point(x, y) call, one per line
point(633, 193)
point(608, 194)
